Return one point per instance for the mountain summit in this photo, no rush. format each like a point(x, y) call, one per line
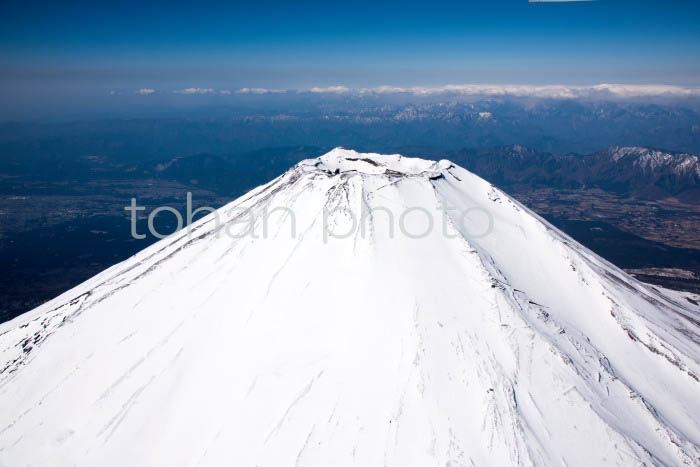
point(364, 310)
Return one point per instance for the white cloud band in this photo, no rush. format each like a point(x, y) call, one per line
point(195, 91)
point(487, 90)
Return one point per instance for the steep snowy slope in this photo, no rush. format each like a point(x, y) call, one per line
point(450, 327)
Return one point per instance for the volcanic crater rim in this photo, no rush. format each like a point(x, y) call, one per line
point(342, 160)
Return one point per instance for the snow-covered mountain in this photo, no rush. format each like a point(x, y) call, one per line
point(358, 310)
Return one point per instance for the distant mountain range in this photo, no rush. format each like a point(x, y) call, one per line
point(370, 123)
point(634, 171)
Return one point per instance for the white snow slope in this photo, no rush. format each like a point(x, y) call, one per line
point(514, 346)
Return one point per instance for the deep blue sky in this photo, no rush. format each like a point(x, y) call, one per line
point(84, 48)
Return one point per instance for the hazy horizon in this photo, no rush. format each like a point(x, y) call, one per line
point(71, 57)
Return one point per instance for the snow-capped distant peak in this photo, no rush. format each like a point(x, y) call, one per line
point(654, 159)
